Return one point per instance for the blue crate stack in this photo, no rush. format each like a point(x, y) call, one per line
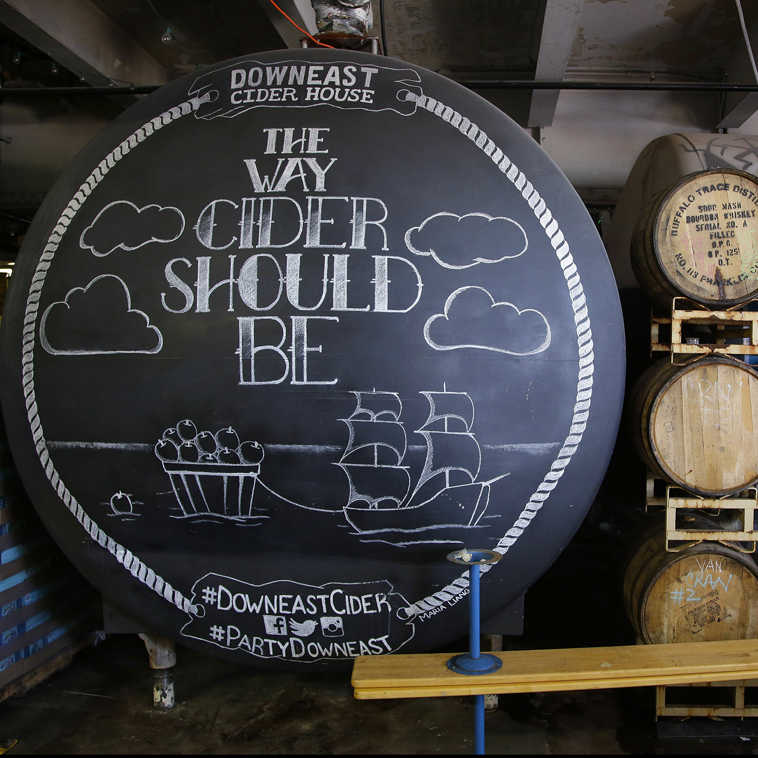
point(47, 610)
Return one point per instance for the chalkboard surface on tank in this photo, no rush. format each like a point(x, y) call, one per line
point(292, 329)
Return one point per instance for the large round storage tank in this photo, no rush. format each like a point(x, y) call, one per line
point(292, 329)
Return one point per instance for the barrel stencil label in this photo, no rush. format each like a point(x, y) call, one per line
point(313, 362)
point(292, 621)
point(706, 240)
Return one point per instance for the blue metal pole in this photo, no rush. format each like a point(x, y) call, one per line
point(478, 724)
point(473, 622)
point(474, 662)
point(474, 650)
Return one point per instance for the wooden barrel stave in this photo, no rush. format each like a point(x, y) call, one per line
point(697, 425)
point(707, 592)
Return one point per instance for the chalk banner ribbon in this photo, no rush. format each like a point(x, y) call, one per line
point(230, 91)
point(301, 622)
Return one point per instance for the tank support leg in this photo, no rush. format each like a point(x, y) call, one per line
point(162, 660)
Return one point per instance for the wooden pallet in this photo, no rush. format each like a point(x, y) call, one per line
point(676, 501)
point(377, 677)
point(733, 332)
point(686, 700)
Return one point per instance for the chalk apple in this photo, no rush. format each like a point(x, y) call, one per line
point(166, 450)
point(227, 455)
point(173, 435)
point(228, 438)
point(187, 430)
point(188, 452)
point(206, 442)
point(251, 452)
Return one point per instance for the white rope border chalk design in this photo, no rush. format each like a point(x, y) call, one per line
point(124, 556)
point(131, 562)
point(583, 333)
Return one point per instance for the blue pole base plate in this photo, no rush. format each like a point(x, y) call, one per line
point(466, 664)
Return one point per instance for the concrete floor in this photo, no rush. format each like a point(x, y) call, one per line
point(101, 704)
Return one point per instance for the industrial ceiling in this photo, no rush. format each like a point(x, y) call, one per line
point(594, 136)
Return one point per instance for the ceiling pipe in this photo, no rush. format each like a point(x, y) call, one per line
point(474, 84)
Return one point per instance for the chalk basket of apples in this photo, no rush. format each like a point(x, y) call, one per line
point(210, 472)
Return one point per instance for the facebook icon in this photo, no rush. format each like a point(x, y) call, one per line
point(275, 625)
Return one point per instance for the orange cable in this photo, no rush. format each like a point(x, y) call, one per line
point(312, 38)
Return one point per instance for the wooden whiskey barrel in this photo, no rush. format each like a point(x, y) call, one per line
point(697, 425)
point(700, 239)
point(704, 593)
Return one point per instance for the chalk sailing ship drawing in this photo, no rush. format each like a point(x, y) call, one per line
point(447, 492)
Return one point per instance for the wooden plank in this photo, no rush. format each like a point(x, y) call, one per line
point(482, 686)
point(706, 706)
point(427, 675)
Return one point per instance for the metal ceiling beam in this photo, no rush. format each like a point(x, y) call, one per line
point(559, 28)
point(474, 84)
point(80, 37)
point(300, 11)
point(738, 109)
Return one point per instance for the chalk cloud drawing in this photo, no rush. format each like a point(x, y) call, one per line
point(473, 310)
point(98, 319)
point(458, 242)
point(121, 225)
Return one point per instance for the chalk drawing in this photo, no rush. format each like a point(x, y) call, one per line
point(134, 227)
point(447, 493)
point(458, 242)
point(517, 331)
point(121, 506)
point(98, 319)
point(301, 622)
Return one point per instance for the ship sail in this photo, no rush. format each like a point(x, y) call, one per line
point(449, 452)
point(377, 406)
point(376, 446)
point(378, 486)
point(453, 455)
point(449, 411)
point(377, 442)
